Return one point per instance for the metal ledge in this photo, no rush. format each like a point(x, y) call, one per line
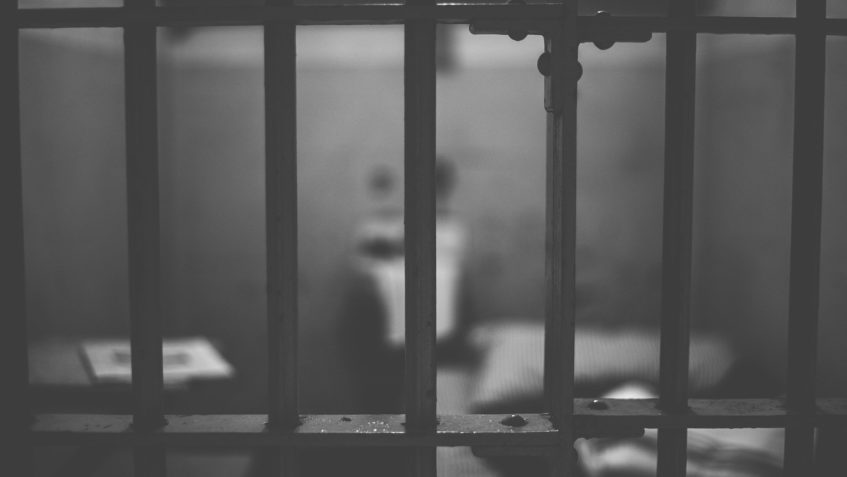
point(620, 417)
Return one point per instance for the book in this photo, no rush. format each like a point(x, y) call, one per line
point(183, 360)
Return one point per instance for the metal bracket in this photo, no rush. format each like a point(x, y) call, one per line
point(601, 33)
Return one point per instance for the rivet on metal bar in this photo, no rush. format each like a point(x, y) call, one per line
point(601, 32)
point(600, 42)
point(604, 36)
point(517, 34)
point(598, 405)
point(543, 64)
point(515, 420)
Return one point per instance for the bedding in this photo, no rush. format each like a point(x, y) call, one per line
point(711, 452)
point(621, 363)
point(511, 371)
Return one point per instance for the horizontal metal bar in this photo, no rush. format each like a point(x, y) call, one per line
point(718, 25)
point(316, 430)
point(541, 13)
point(705, 414)
point(302, 14)
point(620, 416)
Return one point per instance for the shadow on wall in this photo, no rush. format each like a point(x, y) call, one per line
point(491, 125)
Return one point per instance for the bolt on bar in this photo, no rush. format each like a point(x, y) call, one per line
point(281, 233)
point(419, 233)
point(809, 98)
point(13, 360)
point(560, 210)
point(680, 73)
point(142, 173)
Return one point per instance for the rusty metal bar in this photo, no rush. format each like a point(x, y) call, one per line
point(142, 176)
point(809, 100)
point(13, 354)
point(419, 233)
point(560, 209)
point(681, 69)
point(397, 13)
point(620, 417)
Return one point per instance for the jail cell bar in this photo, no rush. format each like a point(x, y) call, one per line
point(14, 370)
point(419, 430)
point(281, 235)
point(806, 204)
point(561, 45)
point(419, 235)
point(680, 71)
point(142, 176)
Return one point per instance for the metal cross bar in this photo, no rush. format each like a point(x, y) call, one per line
point(620, 417)
point(539, 13)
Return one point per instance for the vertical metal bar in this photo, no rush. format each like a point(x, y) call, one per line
point(13, 361)
point(809, 97)
point(419, 232)
point(281, 218)
point(280, 62)
point(143, 221)
point(676, 238)
point(422, 462)
point(149, 460)
point(142, 173)
point(560, 209)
